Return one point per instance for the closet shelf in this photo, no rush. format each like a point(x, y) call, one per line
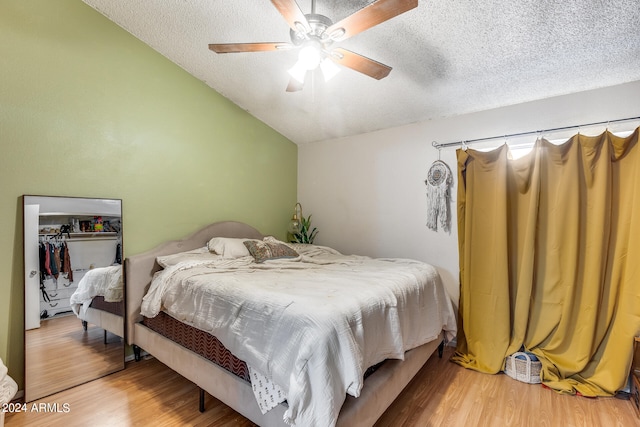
point(84, 235)
point(79, 214)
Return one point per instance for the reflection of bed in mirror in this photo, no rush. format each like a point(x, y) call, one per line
point(67, 241)
point(171, 334)
point(98, 300)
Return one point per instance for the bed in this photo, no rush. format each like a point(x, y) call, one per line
point(375, 394)
point(98, 299)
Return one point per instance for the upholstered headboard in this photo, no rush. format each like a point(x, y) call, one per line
point(139, 269)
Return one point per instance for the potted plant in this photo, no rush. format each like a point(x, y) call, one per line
point(306, 234)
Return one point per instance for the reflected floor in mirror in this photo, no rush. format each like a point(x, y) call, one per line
point(64, 355)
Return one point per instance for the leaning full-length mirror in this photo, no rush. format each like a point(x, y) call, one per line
point(74, 292)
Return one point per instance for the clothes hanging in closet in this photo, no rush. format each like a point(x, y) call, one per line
point(66, 262)
point(47, 260)
point(42, 249)
point(54, 260)
point(118, 253)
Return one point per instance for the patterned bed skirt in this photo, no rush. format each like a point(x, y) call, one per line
point(99, 303)
point(206, 345)
point(198, 341)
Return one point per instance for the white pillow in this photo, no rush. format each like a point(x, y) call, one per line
point(193, 255)
point(228, 247)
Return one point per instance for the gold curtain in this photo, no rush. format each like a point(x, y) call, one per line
point(549, 250)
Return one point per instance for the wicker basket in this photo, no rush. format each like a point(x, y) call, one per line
point(523, 367)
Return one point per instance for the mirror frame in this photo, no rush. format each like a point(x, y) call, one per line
point(83, 207)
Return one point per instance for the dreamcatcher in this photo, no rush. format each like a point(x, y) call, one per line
point(438, 181)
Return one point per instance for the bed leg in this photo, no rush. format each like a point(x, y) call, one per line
point(136, 353)
point(105, 337)
point(441, 349)
point(201, 406)
point(84, 325)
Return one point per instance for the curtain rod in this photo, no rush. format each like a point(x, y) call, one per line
point(511, 135)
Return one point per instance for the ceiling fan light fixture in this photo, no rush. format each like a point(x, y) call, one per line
point(310, 55)
point(329, 69)
point(314, 34)
point(298, 72)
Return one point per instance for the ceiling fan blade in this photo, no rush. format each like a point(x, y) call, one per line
point(369, 16)
point(360, 63)
point(294, 85)
point(291, 12)
point(248, 47)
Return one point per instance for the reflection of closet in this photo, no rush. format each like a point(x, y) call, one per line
point(87, 249)
point(70, 221)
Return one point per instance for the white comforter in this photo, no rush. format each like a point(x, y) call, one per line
point(312, 324)
point(103, 281)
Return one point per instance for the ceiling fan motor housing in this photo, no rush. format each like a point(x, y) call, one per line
point(318, 24)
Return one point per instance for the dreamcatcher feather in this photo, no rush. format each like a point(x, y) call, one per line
point(438, 181)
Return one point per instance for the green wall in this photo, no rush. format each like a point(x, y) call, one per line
point(88, 110)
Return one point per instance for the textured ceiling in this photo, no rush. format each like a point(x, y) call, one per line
point(448, 58)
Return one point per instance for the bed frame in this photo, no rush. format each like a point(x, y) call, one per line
point(379, 391)
point(104, 320)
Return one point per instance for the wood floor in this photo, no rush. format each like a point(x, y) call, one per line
point(61, 354)
point(443, 394)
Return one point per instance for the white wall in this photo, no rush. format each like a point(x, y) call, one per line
point(367, 192)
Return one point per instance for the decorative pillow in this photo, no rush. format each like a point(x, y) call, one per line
point(263, 251)
point(193, 255)
point(228, 247)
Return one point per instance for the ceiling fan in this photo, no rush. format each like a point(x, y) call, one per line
point(314, 34)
